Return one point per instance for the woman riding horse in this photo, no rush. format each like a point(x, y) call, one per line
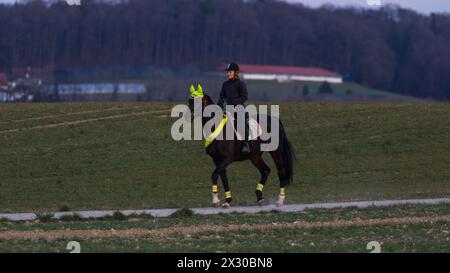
point(224, 151)
point(234, 93)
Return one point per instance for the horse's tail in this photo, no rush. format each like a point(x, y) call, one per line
point(287, 154)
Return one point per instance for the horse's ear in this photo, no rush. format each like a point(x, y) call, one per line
point(200, 89)
point(192, 90)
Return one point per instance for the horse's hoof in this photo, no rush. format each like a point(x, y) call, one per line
point(262, 202)
point(226, 205)
point(281, 200)
point(216, 205)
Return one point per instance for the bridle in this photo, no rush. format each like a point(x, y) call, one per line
point(204, 104)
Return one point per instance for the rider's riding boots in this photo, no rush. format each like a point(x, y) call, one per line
point(246, 147)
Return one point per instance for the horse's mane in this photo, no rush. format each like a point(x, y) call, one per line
point(208, 98)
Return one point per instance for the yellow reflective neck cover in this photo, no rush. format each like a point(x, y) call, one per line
point(216, 132)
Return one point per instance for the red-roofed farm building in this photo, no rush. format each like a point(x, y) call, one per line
point(287, 73)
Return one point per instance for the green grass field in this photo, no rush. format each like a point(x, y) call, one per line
point(263, 232)
point(114, 156)
point(57, 157)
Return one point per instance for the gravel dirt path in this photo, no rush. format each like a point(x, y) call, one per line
point(189, 230)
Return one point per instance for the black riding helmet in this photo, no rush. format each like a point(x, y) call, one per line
point(232, 67)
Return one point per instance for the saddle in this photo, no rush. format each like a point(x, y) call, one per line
point(254, 129)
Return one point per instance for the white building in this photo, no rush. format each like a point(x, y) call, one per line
point(288, 73)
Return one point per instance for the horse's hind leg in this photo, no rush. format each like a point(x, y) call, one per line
point(264, 171)
point(278, 159)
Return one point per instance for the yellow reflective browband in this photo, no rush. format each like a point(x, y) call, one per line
point(282, 192)
point(259, 187)
point(214, 188)
point(228, 194)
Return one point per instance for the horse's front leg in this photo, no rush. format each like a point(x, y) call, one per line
point(220, 168)
point(226, 187)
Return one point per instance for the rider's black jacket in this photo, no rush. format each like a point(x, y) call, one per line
point(234, 91)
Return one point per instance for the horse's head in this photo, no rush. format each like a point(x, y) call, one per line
point(198, 95)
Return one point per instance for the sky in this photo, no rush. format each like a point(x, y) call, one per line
point(423, 6)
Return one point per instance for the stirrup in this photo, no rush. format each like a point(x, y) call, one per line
point(245, 148)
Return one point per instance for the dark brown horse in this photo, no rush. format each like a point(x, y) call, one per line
point(224, 152)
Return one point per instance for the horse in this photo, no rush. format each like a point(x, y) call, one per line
point(223, 152)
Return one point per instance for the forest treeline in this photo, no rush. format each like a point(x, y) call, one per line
point(390, 48)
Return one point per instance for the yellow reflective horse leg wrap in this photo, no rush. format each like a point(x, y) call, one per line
point(214, 188)
point(228, 194)
point(282, 193)
point(259, 187)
